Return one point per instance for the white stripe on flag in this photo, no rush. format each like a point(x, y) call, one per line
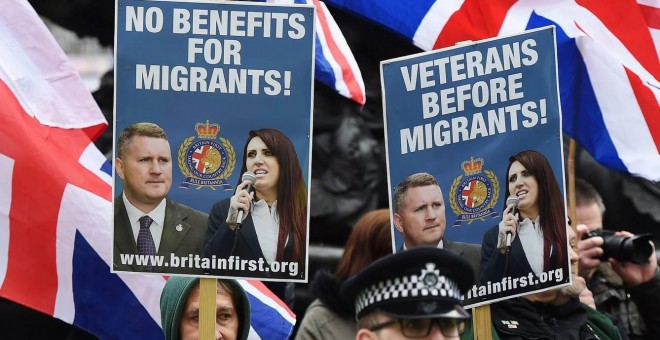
point(38, 72)
point(252, 290)
point(340, 86)
point(622, 115)
point(73, 212)
point(6, 174)
point(252, 335)
point(147, 289)
point(434, 22)
point(655, 35)
point(92, 159)
point(517, 18)
point(608, 43)
point(652, 3)
point(344, 49)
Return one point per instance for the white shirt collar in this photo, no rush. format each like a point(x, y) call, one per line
point(158, 215)
point(531, 238)
point(441, 245)
point(134, 214)
point(266, 224)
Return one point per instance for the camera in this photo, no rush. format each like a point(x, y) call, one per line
point(636, 249)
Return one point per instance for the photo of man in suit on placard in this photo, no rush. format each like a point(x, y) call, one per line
point(419, 214)
point(148, 226)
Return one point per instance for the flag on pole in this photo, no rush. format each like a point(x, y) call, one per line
point(607, 58)
point(56, 197)
point(335, 64)
point(271, 318)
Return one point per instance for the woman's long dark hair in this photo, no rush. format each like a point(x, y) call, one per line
point(550, 201)
point(291, 191)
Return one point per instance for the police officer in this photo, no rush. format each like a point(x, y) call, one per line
point(413, 294)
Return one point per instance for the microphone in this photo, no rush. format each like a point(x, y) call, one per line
point(509, 201)
point(247, 176)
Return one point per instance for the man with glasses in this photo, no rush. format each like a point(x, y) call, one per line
point(413, 294)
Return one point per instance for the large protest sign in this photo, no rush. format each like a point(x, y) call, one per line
point(459, 114)
point(208, 74)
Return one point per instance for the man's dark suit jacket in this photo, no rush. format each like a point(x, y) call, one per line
point(187, 239)
point(470, 252)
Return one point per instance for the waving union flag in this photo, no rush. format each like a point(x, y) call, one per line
point(56, 203)
point(608, 61)
point(335, 65)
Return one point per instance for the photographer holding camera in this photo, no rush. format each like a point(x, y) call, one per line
point(620, 268)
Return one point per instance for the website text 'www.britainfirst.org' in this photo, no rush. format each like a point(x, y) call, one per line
point(213, 263)
point(511, 283)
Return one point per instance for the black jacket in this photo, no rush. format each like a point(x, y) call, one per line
point(522, 319)
point(222, 243)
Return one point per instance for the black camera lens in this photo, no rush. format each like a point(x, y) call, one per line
point(636, 249)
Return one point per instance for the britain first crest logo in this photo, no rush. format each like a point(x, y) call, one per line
point(474, 195)
point(206, 161)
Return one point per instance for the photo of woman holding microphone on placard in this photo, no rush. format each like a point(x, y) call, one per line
point(261, 231)
point(527, 250)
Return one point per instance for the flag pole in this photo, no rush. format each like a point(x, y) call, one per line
point(481, 315)
point(571, 191)
point(482, 323)
point(207, 293)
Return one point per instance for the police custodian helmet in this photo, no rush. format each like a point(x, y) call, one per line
point(421, 282)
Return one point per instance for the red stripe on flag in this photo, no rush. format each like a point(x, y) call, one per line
point(652, 16)
point(264, 290)
point(475, 20)
point(45, 161)
point(630, 29)
point(649, 106)
point(347, 72)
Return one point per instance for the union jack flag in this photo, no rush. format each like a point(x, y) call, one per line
point(335, 64)
point(56, 199)
point(607, 58)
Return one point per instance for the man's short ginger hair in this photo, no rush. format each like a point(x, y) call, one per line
point(420, 179)
point(143, 129)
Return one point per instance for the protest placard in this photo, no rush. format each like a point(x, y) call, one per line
point(460, 114)
point(208, 74)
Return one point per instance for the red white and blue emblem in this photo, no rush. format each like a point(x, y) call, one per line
point(474, 195)
point(207, 161)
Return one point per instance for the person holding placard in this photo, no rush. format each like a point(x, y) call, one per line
point(180, 306)
point(530, 242)
point(261, 230)
point(552, 314)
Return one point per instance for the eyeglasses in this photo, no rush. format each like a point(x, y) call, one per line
point(419, 328)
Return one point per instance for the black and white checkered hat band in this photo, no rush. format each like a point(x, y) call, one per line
point(428, 283)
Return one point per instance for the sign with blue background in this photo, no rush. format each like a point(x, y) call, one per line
point(461, 112)
point(208, 73)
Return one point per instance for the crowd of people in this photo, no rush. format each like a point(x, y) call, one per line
point(417, 290)
point(365, 296)
point(375, 292)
